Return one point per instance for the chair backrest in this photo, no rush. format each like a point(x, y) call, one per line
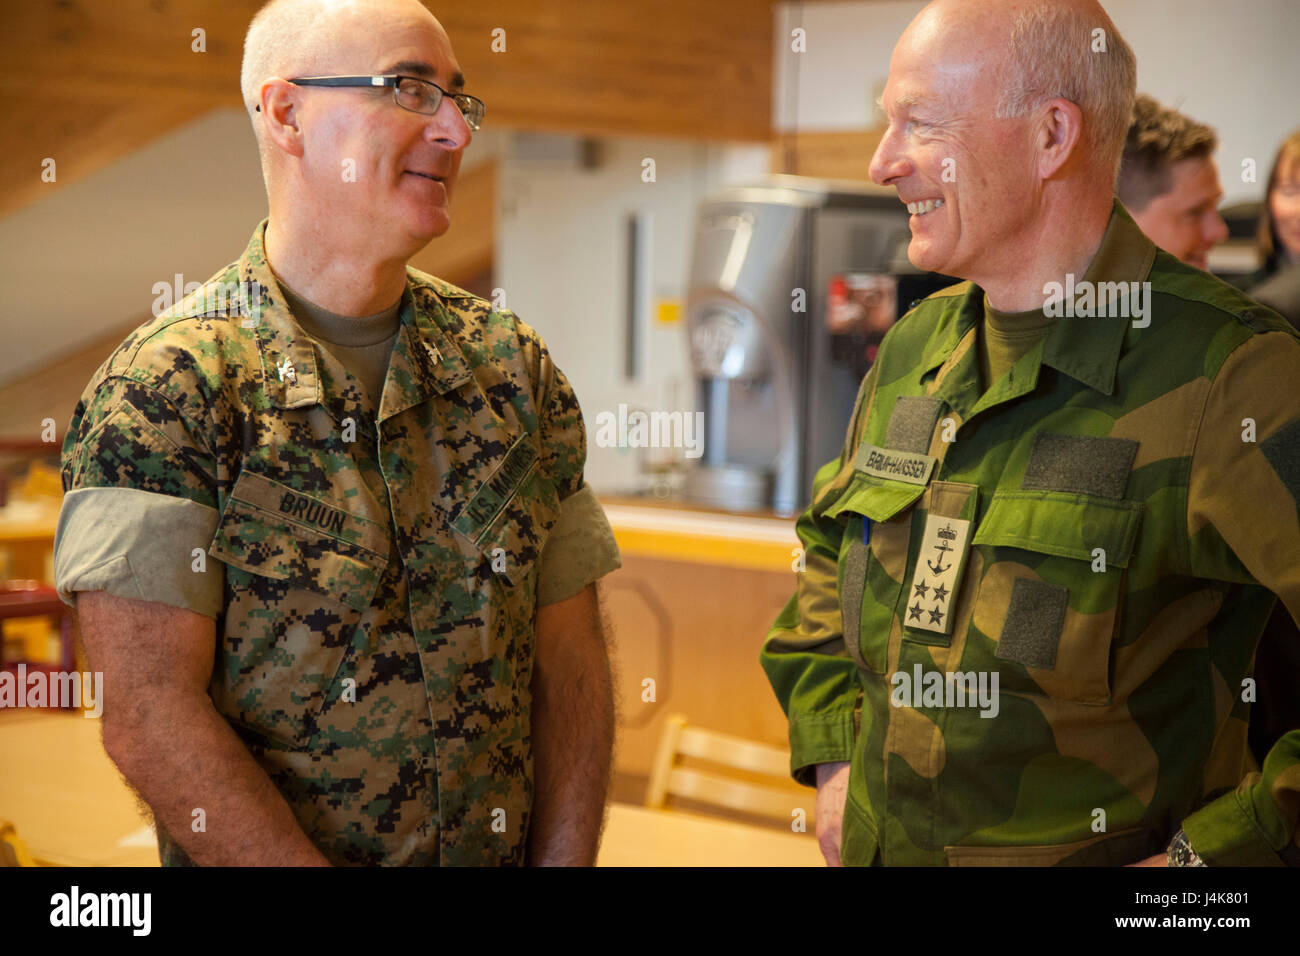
point(13, 851)
point(669, 778)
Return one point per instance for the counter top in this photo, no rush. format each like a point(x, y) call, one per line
point(697, 535)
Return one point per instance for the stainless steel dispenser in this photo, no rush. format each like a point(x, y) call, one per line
point(773, 379)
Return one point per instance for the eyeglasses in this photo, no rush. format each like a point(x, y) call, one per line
point(409, 92)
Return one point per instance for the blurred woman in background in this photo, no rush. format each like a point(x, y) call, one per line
point(1277, 283)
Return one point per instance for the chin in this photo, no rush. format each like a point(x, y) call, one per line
point(428, 228)
point(925, 257)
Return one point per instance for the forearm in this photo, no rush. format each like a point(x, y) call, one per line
point(182, 756)
point(573, 740)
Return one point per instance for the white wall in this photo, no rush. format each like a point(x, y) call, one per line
point(84, 261)
point(561, 261)
point(1233, 65)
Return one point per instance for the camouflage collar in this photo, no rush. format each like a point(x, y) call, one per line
point(1086, 349)
point(426, 360)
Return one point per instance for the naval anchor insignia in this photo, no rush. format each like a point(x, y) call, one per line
point(935, 580)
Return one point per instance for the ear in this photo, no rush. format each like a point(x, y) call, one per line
point(1059, 133)
point(279, 110)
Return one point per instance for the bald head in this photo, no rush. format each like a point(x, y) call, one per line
point(1006, 125)
point(1017, 54)
point(289, 38)
point(361, 169)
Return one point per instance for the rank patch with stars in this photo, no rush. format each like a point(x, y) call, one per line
point(938, 574)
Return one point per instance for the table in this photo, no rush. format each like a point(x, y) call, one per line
point(72, 808)
point(637, 836)
point(65, 797)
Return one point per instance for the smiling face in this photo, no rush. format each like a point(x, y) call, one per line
point(965, 175)
point(375, 172)
point(1185, 221)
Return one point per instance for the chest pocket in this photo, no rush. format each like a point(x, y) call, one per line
point(873, 562)
point(1049, 598)
point(301, 572)
point(506, 522)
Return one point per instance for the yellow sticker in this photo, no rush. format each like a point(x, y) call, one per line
point(668, 311)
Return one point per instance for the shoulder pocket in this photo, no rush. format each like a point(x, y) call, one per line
point(1048, 604)
point(301, 572)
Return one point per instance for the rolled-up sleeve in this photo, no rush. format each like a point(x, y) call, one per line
point(138, 544)
point(139, 511)
point(580, 549)
point(581, 546)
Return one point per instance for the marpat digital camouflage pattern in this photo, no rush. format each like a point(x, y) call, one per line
point(1121, 690)
point(359, 569)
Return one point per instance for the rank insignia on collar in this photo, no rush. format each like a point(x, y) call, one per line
point(287, 372)
point(434, 355)
point(938, 574)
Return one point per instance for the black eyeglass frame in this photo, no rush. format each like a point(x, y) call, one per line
point(391, 81)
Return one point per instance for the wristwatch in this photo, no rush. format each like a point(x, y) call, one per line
point(1180, 852)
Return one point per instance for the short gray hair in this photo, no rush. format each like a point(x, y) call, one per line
point(1052, 55)
point(282, 38)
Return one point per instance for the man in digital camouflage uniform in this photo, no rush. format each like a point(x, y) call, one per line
point(326, 525)
point(1086, 513)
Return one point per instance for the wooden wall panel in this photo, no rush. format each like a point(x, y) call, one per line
point(85, 81)
point(836, 154)
point(696, 630)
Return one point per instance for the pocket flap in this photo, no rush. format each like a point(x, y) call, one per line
point(277, 545)
point(314, 515)
point(1062, 524)
point(877, 498)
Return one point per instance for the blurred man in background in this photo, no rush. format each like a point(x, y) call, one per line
point(1169, 183)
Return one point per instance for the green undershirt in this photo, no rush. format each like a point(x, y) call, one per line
point(1005, 337)
point(361, 345)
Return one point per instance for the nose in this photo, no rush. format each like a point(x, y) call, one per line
point(889, 163)
point(1218, 231)
point(448, 126)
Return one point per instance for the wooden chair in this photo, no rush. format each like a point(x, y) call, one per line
point(13, 851)
point(25, 599)
point(669, 778)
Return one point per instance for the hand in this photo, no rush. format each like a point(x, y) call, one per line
point(832, 792)
point(1160, 859)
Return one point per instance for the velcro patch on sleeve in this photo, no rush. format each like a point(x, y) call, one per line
point(1081, 464)
point(1035, 617)
point(911, 424)
point(1282, 449)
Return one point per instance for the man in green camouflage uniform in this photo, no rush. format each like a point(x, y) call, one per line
point(378, 569)
point(1036, 575)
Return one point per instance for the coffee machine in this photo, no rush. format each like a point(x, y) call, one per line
point(792, 283)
